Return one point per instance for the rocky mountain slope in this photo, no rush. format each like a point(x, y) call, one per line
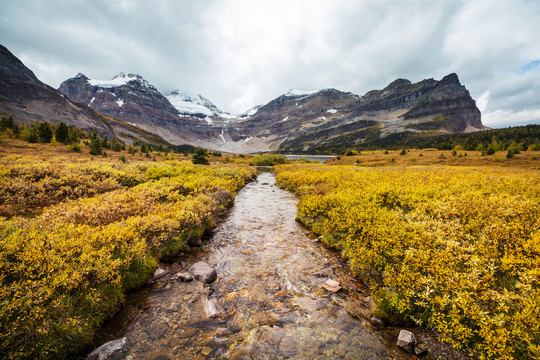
point(299, 121)
point(295, 121)
point(132, 99)
point(29, 100)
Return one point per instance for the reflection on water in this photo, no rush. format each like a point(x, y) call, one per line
point(268, 295)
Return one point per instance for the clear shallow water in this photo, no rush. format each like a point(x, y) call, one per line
point(270, 274)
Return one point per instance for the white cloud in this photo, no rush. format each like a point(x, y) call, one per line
point(504, 118)
point(241, 53)
point(483, 101)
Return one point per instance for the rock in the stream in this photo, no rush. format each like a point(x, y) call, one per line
point(159, 273)
point(406, 341)
point(212, 309)
point(203, 272)
point(113, 350)
point(183, 276)
point(331, 285)
point(375, 321)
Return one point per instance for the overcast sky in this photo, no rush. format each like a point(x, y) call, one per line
point(241, 53)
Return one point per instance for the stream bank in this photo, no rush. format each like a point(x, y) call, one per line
point(268, 297)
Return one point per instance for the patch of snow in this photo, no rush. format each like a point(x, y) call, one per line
point(92, 100)
point(208, 120)
point(249, 138)
point(296, 92)
point(120, 102)
point(322, 117)
point(187, 103)
point(285, 119)
point(227, 115)
point(118, 80)
point(122, 79)
point(332, 111)
point(251, 111)
point(221, 135)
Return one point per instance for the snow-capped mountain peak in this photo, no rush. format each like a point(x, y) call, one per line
point(121, 79)
point(296, 92)
point(196, 104)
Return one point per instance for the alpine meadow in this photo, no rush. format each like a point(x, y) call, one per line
point(247, 180)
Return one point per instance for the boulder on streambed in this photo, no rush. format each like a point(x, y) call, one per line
point(203, 272)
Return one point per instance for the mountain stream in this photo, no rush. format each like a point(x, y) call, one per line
point(268, 297)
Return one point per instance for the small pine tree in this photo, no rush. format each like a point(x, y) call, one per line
point(45, 132)
point(8, 123)
point(95, 145)
point(115, 145)
point(54, 141)
point(105, 143)
point(403, 152)
point(200, 156)
point(61, 132)
point(33, 136)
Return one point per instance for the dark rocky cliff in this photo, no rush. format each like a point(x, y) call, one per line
point(132, 99)
point(29, 100)
point(427, 107)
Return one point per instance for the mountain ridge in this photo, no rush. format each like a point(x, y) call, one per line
point(29, 100)
point(295, 120)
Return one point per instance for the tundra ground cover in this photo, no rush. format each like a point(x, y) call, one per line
point(90, 232)
point(454, 248)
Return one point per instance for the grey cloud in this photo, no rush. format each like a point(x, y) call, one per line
point(240, 53)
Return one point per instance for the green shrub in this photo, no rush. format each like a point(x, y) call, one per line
point(268, 160)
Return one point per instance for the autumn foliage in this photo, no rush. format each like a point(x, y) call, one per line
point(454, 248)
point(90, 232)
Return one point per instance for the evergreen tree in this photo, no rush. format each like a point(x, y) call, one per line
point(61, 132)
point(8, 123)
point(115, 145)
point(45, 132)
point(74, 135)
point(33, 136)
point(200, 156)
point(95, 145)
point(105, 143)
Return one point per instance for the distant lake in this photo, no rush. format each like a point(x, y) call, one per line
point(319, 158)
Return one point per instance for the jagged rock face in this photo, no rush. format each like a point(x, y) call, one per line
point(29, 100)
point(294, 121)
point(306, 120)
point(132, 99)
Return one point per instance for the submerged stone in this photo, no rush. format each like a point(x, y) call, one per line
point(203, 272)
point(332, 285)
point(160, 272)
point(112, 350)
point(406, 340)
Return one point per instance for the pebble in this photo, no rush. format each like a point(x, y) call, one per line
point(332, 285)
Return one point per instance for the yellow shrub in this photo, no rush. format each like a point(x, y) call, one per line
point(453, 248)
point(63, 272)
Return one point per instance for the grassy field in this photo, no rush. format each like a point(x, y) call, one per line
point(452, 243)
point(77, 231)
point(525, 159)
